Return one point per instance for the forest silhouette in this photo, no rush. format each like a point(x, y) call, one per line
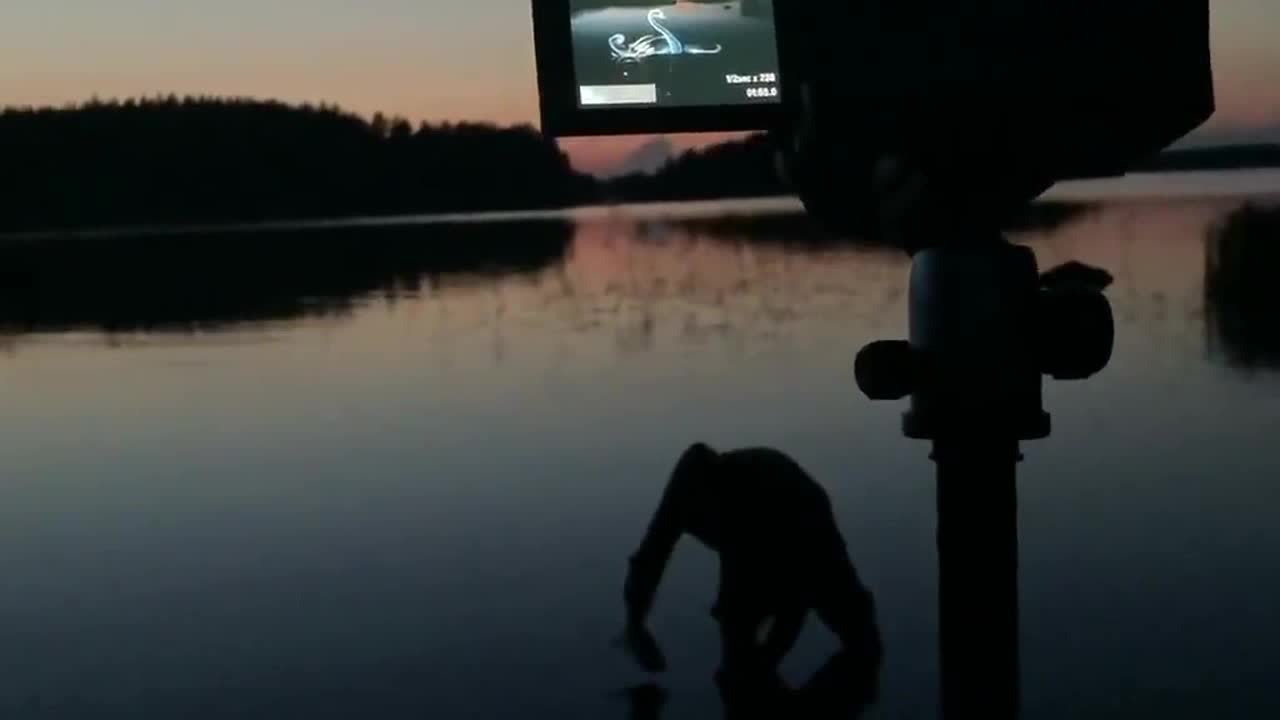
point(202, 160)
point(208, 160)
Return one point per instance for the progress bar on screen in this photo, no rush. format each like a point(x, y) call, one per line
point(596, 95)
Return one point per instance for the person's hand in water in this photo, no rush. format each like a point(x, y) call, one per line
point(643, 648)
point(647, 701)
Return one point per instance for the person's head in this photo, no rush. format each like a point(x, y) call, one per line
point(694, 474)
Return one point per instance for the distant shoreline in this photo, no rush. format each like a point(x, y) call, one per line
point(1179, 185)
point(1225, 157)
point(197, 165)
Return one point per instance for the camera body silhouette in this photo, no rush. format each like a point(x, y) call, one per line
point(991, 101)
point(984, 103)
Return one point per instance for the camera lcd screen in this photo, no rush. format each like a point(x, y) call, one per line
point(684, 54)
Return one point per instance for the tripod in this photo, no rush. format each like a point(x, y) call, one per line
point(984, 332)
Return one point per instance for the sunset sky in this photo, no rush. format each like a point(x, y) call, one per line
point(424, 59)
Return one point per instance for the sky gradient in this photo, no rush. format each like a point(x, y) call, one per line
point(423, 59)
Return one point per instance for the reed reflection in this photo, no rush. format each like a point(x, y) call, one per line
point(1242, 297)
point(184, 283)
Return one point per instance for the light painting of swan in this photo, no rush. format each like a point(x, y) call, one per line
point(664, 42)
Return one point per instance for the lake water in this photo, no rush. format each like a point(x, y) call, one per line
point(418, 503)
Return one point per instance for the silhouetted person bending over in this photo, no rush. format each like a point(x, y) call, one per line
point(781, 555)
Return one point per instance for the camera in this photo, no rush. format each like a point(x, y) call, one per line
point(1053, 89)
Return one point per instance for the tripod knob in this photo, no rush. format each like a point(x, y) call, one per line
point(887, 370)
point(1077, 333)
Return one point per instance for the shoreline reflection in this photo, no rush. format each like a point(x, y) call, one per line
point(1242, 297)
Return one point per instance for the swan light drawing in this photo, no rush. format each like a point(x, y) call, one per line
point(661, 42)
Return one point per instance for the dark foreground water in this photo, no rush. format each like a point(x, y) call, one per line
point(413, 497)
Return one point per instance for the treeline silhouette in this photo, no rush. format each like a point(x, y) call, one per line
point(209, 160)
point(735, 169)
point(188, 282)
point(748, 168)
point(199, 160)
point(1229, 157)
point(1242, 296)
point(192, 161)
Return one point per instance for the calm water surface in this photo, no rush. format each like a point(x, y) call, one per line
point(422, 507)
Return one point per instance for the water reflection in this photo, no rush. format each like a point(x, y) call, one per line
point(799, 231)
point(648, 282)
point(336, 524)
point(672, 285)
point(648, 286)
point(215, 281)
point(844, 688)
point(221, 280)
point(1241, 290)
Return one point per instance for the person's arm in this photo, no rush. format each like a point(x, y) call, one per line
point(645, 572)
point(649, 562)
